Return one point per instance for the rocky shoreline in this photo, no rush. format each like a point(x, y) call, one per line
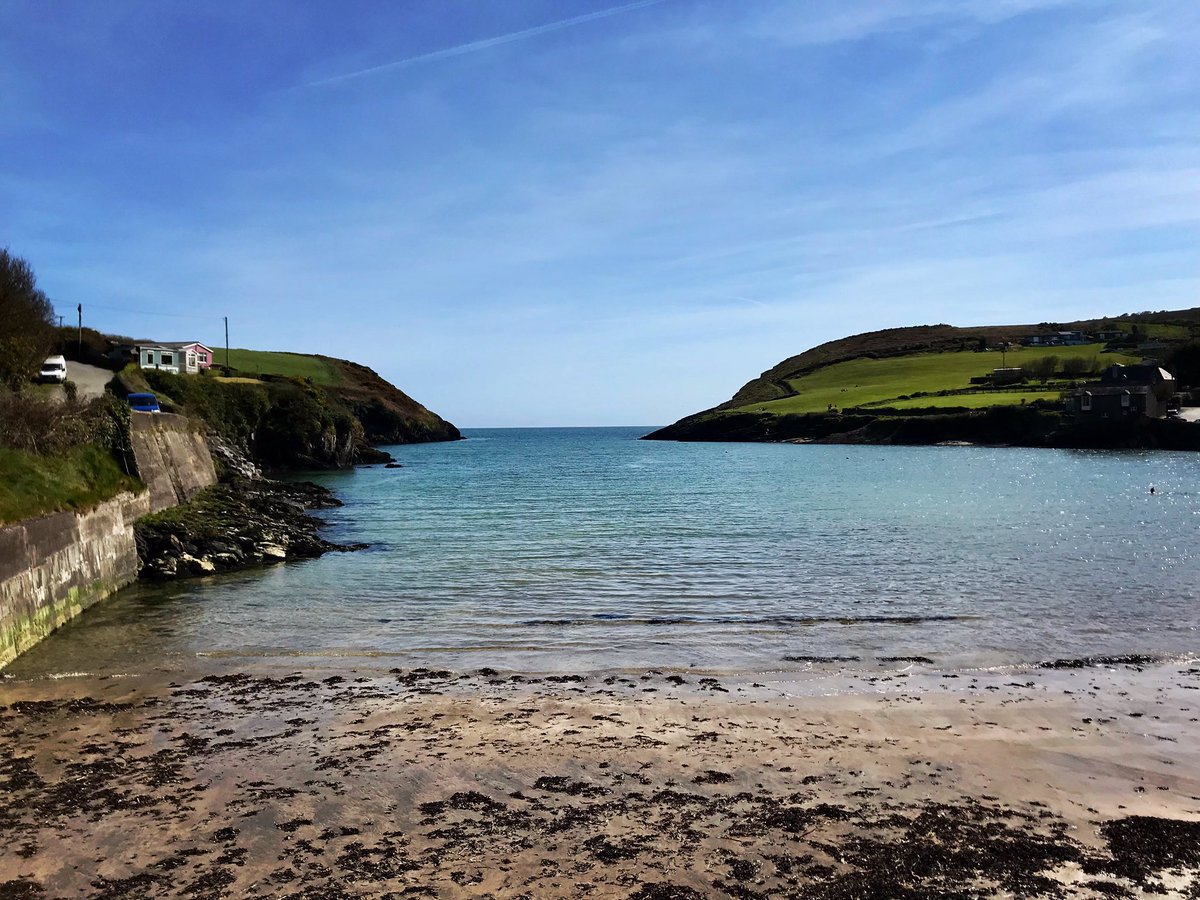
point(237, 524)
point(999, 426)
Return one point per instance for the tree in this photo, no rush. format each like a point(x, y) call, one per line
point(26, 333)
point(1042, 368)
point(1075, 366)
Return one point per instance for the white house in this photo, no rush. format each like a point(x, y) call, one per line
point(188, 357)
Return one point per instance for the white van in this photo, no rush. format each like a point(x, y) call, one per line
point(54, 370)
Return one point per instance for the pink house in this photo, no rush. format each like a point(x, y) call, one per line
point(204, 355)
point(190, 357)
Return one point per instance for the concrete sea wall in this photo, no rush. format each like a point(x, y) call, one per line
point(54, 567)
point(172, 457)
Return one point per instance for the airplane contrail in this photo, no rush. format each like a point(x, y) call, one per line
point(485, 43)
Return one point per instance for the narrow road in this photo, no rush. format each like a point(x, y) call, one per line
point(90, 380)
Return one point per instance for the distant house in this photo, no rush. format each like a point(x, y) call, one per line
point(1125, 392)
point(1111, 335)
point(1009, 375)
point(187, 357)
point(1056, 339)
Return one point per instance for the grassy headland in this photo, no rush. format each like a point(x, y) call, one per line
point(841, 390)
point(292, 410)
point(907, 381)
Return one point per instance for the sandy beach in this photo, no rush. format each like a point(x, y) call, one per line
point(248, 781)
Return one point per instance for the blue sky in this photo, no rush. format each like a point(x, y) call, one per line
point(535, 213)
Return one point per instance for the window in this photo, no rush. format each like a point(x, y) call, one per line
point(203, 357)
point(1085, 402)
point(167, 359)
point(1125, 398)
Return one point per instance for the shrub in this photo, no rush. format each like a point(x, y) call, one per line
point(1076, 366)
point(47, 426)
point(1042, 368)
point(280, 422)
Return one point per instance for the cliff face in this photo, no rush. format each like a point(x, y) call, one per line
point(387, 414)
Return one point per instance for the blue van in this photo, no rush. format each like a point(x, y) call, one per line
point(143, 403)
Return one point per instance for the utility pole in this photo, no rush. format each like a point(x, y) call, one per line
point(79, 309)
point(226, 342)
point(60, 321)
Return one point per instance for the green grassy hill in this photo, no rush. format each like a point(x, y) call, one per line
point(923, 370)
point(253, 363)
point(295, 410)
point(892, 381)
point(387, 414)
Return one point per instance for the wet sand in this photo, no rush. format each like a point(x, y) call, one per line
point(239, 781)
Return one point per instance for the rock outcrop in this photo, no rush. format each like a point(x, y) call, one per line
point(235, 525)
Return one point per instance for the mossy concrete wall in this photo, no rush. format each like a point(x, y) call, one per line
point(54, 567)
point(172, 458)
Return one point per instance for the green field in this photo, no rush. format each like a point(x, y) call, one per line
point(876, 381)
point(268, 362)
point(979, 400)
point(1153, 330)
point(32, 485)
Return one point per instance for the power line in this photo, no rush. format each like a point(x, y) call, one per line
point(147, 312)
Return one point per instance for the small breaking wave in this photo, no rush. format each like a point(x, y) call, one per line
point(776, 621)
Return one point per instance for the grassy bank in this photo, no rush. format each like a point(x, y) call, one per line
point(79, 478)
point(892, 381)
point(286, 365)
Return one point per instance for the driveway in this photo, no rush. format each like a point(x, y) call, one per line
point(90, 380)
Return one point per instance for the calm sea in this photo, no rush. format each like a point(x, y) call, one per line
point(586, 549)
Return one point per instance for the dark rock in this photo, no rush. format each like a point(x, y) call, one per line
point(1087, 662)
point(367, 455)
point(235, 524)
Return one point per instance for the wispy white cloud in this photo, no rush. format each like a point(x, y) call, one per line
point(837, 21)
point(791, 175)
point(485, 43)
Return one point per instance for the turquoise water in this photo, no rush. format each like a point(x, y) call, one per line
point(586, 549)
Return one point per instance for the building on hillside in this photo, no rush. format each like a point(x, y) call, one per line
point(1056, 339)
point(1111, 335)
point(1008, 375)
point(1122, 392)
point(180, 357)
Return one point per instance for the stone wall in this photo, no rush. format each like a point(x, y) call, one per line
point(172, 458)
point(54, 567)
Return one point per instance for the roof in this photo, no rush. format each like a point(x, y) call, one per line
point(1110, 389)
point(172, 345)
point(1139, 373)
